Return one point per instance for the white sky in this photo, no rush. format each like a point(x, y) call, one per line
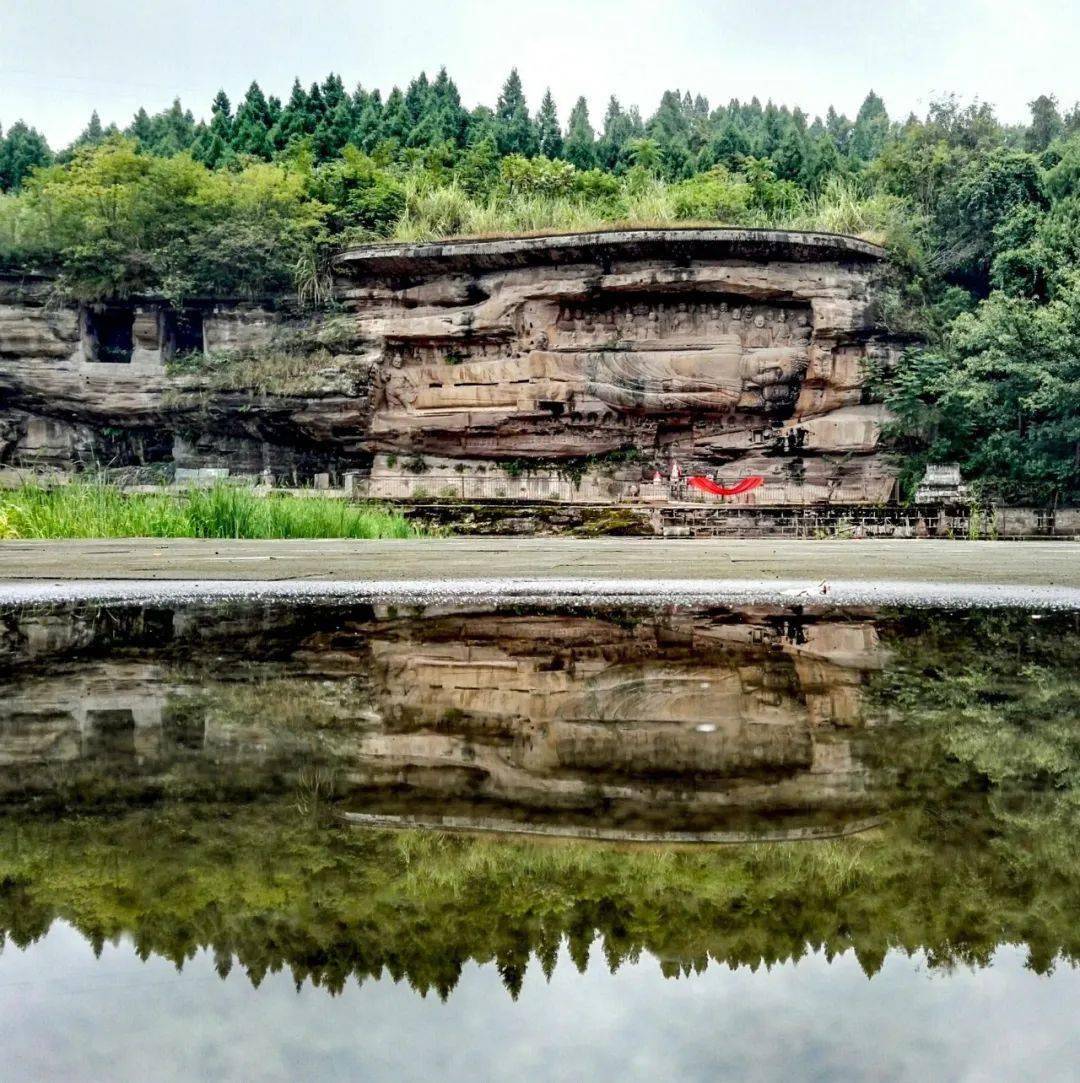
point(59, 60)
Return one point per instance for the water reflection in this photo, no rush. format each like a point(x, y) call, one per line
point(208, 778)
point(681, 726)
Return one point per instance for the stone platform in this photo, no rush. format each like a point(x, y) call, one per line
point(450, 560)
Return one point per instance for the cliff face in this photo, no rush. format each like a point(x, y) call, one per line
point(571, 367)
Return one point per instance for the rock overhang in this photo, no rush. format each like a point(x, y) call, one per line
point(676, 245)
point(734, 353)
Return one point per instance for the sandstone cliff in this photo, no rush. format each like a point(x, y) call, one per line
point(571, 367)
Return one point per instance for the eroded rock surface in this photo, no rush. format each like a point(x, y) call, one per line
point(560, 367)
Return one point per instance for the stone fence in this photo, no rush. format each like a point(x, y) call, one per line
point(747, 521)
point(593, 489)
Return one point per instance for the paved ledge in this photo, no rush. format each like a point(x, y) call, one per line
point(1050, 564)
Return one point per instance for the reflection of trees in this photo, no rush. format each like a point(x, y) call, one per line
point(266, 889)
point(980, 850)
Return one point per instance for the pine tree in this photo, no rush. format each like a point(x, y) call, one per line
point(174, 130)
point(669, 128)
point(730, 145)
point(316, 107)
point(482, 126)
point(871, 129)
point(295, 121)
point(221, 123)
point(773, 130)
point(514, 130)
point(417, 102)
point(142, 129)
point(790, 157)
point(396, 122)
point(368, 110)
point(823, 160)
point(92, 134)
point(549, 135)
point(580, 145)
point(619, 129)
point(433, 120)
point(333, 92)
point(450, 121)
point(252, 124)
point(1046, 123)
point(210, 149)
point(335, 131)
point(22, 150)
point(839, 127)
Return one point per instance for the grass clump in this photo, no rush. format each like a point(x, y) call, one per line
point(93, 510)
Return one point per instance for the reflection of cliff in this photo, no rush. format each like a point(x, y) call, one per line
point(674, 722)
point(104, 731)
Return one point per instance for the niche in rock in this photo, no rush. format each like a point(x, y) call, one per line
point(183, 331)
point(109, 334)
point(111, 731)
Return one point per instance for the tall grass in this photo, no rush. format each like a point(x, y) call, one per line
point(844, 205)
point(92, 510)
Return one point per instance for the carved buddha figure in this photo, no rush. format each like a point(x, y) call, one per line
point(400, 386)
point(759, 335)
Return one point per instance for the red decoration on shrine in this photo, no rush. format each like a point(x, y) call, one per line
point(744, 485)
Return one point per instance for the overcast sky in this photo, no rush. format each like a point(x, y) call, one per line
point(59, 59)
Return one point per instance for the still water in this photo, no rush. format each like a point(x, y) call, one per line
point(265, 841)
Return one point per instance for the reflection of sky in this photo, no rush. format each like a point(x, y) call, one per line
point(65, 1015)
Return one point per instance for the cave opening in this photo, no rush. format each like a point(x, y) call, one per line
point(184, 331)
point(110, 334)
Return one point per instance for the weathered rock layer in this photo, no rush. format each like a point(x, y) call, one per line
point(568, 367)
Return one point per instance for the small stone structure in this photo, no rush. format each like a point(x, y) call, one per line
point(941, 484)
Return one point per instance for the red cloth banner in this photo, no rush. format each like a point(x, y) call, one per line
point(744, 485)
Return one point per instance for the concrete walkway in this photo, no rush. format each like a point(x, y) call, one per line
point(1034, 564)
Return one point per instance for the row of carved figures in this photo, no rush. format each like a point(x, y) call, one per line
point(754, 325)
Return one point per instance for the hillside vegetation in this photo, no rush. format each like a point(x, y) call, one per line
point(983, 219)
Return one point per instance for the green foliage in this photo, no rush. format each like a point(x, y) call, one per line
point(117, 222)
point(573, 469)
point(714, 195)
point(579, 147)
point(986, 191)
point(21, 151)
point(363, 201)
point(537, 176)
point(548, 133)
point(1002, 398)
point(515, 132)
point(89, 510)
